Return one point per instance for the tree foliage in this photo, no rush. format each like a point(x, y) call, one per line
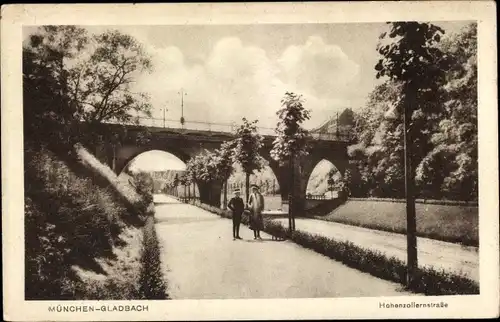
point(291, 140)
point(202, 167)
point(247, 147)
point(72, 80)
point(224, 159)
point(451, 166)
point(210, 166)
point(444, 116)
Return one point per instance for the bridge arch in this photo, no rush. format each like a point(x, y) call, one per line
point(126, 154)
point(266, 179)
point(322, 180)
point(164, 167)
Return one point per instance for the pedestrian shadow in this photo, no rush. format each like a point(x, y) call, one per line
point(263, 240)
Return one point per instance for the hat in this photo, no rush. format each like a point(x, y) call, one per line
point(254, 186)
point(237, 191)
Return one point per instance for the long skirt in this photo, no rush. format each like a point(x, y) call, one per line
point(256, 221)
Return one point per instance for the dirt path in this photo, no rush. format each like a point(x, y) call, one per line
point(201, 261)
point(435, 253)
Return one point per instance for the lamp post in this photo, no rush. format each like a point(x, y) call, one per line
point(337, 132)
point(164, 117)
point(182, 108)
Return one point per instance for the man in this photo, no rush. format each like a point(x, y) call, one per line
point(256, 204)
point(237, 206)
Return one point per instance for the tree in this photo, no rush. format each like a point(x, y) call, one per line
point(176, 184)
point(379, 151)
point(90, 76)
point(203, 167)
point(246, 150)
point(184, 181)
point(48, 114)
point(412, 59)
point(193, 171)
point(144, 184)
point(100, 85)
point(224, 160)
point(291, 142)
point(451, 169)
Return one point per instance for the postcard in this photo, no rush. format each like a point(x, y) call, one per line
point(235, 161)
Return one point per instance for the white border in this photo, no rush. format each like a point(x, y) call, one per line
point(15, 16)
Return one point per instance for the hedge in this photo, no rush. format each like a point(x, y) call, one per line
point(423, 201)
point(152, 282)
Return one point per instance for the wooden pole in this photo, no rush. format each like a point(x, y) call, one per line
point(224, 201)
point(290, 195)
point(247, 186)
point(411, 222)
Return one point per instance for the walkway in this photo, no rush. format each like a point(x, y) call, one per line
point(439, 254)
point(201, 261)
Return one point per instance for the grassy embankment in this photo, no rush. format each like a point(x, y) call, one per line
point(451, 222)
point(87, 233)
point(430, 281)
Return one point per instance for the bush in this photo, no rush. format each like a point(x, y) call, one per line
point(430, 281)
point(143, 183)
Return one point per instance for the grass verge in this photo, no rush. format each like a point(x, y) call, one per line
point(454, 223)
point(430, 281)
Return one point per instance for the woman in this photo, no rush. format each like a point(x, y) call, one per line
point(256, 204)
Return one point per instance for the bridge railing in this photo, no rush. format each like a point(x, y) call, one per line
point(220, 127)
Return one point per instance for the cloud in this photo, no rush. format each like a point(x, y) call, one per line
point(235, 80)
point(323, 69)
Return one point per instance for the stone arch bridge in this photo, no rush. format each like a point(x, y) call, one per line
point(186, 143)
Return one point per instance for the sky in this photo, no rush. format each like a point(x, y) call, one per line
point(232, 71)
point(156, 160)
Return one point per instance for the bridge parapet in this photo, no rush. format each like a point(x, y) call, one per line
point(219, 128)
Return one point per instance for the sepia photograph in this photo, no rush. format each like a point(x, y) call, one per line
point(250, 161)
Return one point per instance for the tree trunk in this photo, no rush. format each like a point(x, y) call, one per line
point(224, 201)
point(113, 162)
point(247, 186)
point(210, 201)
point(194, 190)
point(411, 223)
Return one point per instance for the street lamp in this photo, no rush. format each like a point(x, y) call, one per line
point(164, 113)
point(182, 107)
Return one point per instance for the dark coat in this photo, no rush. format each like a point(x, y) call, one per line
point(236, 205)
